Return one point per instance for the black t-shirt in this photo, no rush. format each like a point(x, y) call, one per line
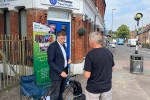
point(99, 62)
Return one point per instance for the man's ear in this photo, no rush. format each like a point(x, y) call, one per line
point(91, 42)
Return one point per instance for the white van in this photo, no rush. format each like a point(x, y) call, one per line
point(131, 42)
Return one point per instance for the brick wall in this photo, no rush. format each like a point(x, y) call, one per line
point(14, 32)
point(139, 36)
point(101, 6)
point(143, 37)
point(1, 23)
point(80, 44)
point(86, 37)
point(147, 36)
point(90, 30)
point(14, 23)
point(77, 44)
point(1, 26)
point(132, 34)
point(33, 16)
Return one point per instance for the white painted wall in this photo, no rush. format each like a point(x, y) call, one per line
point(18, 68)
point(77, 68)
point(99, 22)
point(90, 10)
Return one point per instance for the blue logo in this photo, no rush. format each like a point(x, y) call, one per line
point(53, 2)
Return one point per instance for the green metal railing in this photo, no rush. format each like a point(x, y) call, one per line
point(14, 52)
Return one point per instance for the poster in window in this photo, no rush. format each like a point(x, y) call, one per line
point(52, 29)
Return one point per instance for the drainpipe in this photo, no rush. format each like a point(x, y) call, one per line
point(95, 18)
point(95, 23)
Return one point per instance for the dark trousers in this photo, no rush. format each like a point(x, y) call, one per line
point(57, 89)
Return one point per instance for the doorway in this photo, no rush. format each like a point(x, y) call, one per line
point(65, 26)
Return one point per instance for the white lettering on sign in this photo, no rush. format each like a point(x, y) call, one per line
point(63, 3)
point(9, 0)
point(40, 27)
point(3, 1)
point(13, 3)
point(6, 2)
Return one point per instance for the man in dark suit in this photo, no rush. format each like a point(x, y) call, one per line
point(57, 60)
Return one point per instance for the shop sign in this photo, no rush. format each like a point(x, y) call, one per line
point(63, 3)
point(7, 3)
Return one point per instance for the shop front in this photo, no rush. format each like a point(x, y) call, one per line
point(67, 15)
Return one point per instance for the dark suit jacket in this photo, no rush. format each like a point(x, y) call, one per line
point(55, 60)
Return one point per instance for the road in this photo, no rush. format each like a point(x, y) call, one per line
point(128, 86)
point(124, 52)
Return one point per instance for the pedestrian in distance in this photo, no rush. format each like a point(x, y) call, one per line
point(58, 60)
point(98, 68)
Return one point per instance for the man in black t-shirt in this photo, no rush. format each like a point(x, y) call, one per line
point(98, 69)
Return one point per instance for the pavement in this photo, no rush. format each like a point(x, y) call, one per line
point(125, 85)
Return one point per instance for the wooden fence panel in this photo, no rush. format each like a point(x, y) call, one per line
point(14, 59)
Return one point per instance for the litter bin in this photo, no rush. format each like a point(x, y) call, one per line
point(136, 63)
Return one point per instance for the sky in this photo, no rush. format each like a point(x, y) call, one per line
point(125, 13)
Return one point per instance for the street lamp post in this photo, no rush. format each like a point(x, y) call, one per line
point(137, 17)
point(112, 20)
point(112, 26)
point(142, 23)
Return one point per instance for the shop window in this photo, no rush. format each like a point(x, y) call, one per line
point(58, 14)
point(7, 22)
point(64, 15)
point(52, 29)
point(22, 23)
point(64, 28)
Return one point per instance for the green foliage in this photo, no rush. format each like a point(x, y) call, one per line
point(139, 29)
point(146, 45)
point(123, 32)
point(110, 31)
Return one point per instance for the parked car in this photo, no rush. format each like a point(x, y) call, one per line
point(112, 45)
point(131, 42)
point(120, 41)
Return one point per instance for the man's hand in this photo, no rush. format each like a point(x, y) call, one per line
point(69, 61)
point(112, 68)
point(63, 74)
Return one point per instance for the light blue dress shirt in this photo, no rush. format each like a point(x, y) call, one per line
point(64, 54)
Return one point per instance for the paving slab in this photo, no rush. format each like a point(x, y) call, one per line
point(125, 85)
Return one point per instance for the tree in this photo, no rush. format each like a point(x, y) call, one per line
point(123, 32)
point(109, 32)
point(139, 29)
